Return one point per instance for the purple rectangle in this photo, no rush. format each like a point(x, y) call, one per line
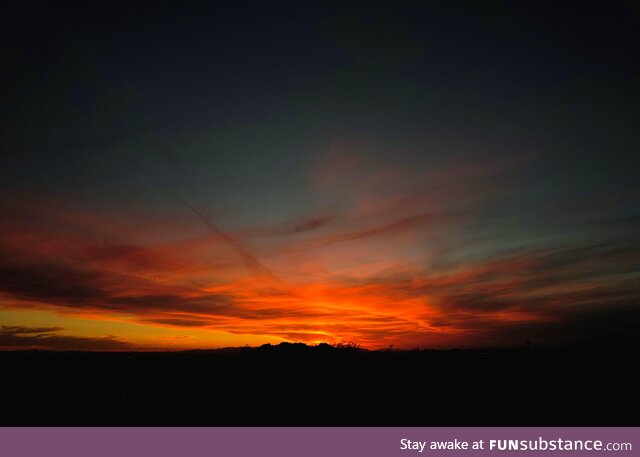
point(316, 441)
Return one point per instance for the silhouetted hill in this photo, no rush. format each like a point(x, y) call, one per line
point(295, 384)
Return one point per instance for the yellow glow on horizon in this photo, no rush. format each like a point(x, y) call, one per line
point(146, 336)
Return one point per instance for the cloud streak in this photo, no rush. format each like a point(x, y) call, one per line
point(250, 260)
point(12, 337)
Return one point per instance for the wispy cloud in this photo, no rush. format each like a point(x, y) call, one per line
point(12, 337)
point(250, 260)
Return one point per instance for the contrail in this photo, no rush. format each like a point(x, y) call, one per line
point(251, 262)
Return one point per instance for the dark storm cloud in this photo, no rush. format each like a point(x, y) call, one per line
point(12, 337)
point(51, 283)
point(78, 288)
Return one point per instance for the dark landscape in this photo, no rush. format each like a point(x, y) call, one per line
point(592, 384)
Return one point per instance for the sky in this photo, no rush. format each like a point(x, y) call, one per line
point(186, 175)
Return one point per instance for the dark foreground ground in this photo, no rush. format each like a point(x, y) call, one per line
point(594, 384)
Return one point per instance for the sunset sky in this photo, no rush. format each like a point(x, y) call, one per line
point(180, 175)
